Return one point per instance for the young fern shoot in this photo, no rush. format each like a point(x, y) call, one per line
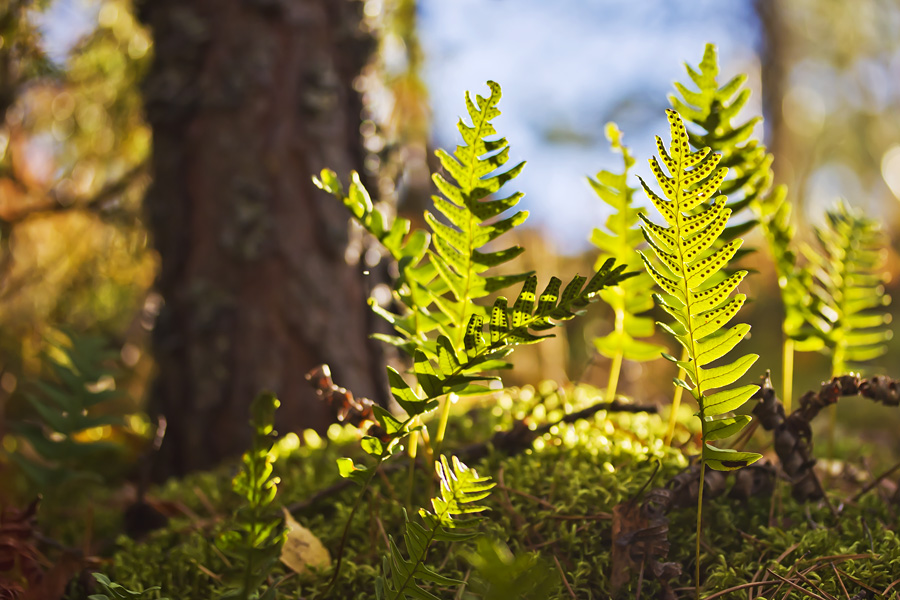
point(453, 517)
point(633, 296)
point(686, 259)
point(254, 542)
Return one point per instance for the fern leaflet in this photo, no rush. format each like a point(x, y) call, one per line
point(619, 242)
point(849, 288)
point(406, 249)
point(452, 519)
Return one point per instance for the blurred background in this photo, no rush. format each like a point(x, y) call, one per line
point(78, 81)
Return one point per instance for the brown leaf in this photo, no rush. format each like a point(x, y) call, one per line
point(302, 549)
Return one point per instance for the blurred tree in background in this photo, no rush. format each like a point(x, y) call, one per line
point(246, 100)
point(73, 156)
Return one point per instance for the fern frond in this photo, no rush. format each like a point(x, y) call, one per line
point(452, 518)
point(711, 108)
point(620, 242)
point(254, 541)
point(64, 405)
point(686, 257)
point(849, 288)
point(441, 291)
point(794, 279)
point(475, 172)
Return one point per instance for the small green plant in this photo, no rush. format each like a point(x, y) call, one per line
point(80, 379)
point(848, 269)
point(620, 242)
point(499, 575)
point(686, 259)
point(253, 543)
point(113, 591)
point(455, 341)
point(452, 520)
point(710, 109)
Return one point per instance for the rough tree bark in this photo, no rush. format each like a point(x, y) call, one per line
point(247, 99)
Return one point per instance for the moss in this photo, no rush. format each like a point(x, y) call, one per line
point(554, 499)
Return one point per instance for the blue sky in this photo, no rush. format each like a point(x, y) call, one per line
point(567, 68)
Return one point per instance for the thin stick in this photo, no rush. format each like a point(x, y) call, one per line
point(699, 524)
point(788, 374)
point(795, 586)
point(743, 586)
point(841, 581)
point(676, 403)
point(872, 484)
point(413, 447)
point(614, 370)
point(565, 581)
point(616, 366)
point(813, 585)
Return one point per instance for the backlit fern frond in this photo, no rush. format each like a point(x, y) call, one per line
point(452, 518)
point(849, 288)
point(474, 171)
point(687, 258)
point(485, 346)
point(620, 242)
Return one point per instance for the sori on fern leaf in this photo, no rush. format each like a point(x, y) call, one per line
point(685, 260)
point(712, 109)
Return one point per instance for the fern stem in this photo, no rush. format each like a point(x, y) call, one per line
point(616, 366)
point(788, 374)
point(676, 404)
point(699, 524)
point(413, 447)
point(340, 552)
point(614, 370)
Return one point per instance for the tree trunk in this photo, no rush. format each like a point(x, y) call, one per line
point(247, 99)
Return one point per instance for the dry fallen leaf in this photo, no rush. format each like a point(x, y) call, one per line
point(301, 548)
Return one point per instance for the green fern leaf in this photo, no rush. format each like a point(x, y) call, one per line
point(688, 258)
point(619, 241)
point(64, 406)
point(454, 514)
point(848, 309)
point(475, 173)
